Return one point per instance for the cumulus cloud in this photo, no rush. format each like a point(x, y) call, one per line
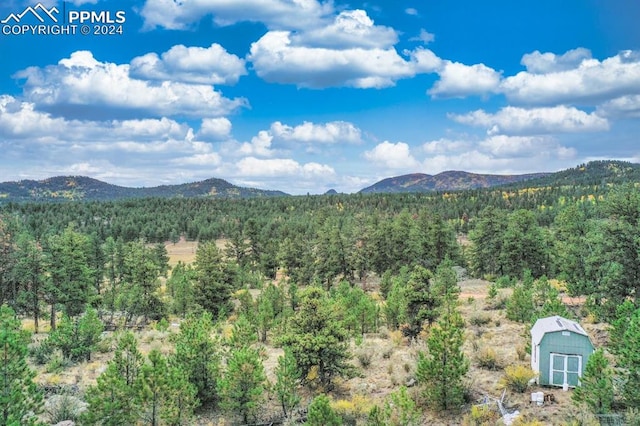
point(443, 146)
point(521, 121)
point(499, 154)
point(544, 63)
point(460, 80)
point(218, 128)
point(622, 107)
point(199, 65)
point(106, 89)
point(392, 156)
point(20, 120)
point(296, 14)
point(587, 82)
point(350, 29)
point(277, 59)
point(325, 133)
point(502, 146)
point(251, 166)
point(260, 145)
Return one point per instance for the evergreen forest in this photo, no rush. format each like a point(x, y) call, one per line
point(323, 309)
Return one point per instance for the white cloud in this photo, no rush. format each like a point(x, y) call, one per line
point(460, 80)
point(252, 166)
point(521, 121)
point(276, 59)
point(210, 159)
point(350, 29)
point(411, 11)
point(171, 14)
point(21, 120)
point(498, 155)
point(544, 63)
point(104, 88)
point(199, 65)
point(502, 146)
point(589, 82)
point(218, 128)
point(624, 106)
point(443, 146)
point(392, 156)
point(424, 36)
point(325, 133)
point(260, 145)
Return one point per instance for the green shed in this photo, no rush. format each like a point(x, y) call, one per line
point(560, 349)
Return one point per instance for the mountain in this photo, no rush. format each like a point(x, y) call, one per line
point(84, 188)
point(445, 181)
point(605, 172)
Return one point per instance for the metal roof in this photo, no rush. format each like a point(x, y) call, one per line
point(554, 323)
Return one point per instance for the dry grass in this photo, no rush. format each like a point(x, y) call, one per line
point(183, 251)
point(393, 358)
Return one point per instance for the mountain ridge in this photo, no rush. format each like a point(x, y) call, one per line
point(445, 181)
point(82, 188)
point(76, 188)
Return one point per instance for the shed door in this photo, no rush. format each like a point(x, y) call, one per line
point(565, 369)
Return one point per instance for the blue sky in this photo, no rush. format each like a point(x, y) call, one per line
point(307, 95)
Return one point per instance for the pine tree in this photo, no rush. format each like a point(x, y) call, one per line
point(241, 388)
point(287, 378)
point(400, 409)
point(111, 401)
point(29, 274)
point(318, 340)
point(165, 396)
point(114, 400)
point(214, 280)
point(198, 356)
point(442, 369)
point(180, 396)
point(629, 361)
point(20, 401)
point(77, 337)
point(69, 271)
point(421, 301)
point(321, 414)
point(395, 307)
point(596, 385)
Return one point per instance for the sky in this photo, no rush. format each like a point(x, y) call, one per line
point(304, 96)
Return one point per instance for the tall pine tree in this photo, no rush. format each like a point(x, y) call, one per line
point(20, 401)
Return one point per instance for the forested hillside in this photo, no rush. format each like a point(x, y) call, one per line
point(278, 313)
point(80, 188)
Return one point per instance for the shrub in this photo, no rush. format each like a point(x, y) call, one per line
point(57, 363)
point(487, 358)
point(40, 353)
point(517, 378)
point(64, 407)
point(497, 303)
point(352, 411)
point(480, 320)
point(504, 282)
point(481, 415)
point(521, 352)
point(364, 358)
point(523, 421)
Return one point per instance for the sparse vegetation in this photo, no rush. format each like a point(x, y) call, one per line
point(517, 378)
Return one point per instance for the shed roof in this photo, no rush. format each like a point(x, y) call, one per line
point(554, 323)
